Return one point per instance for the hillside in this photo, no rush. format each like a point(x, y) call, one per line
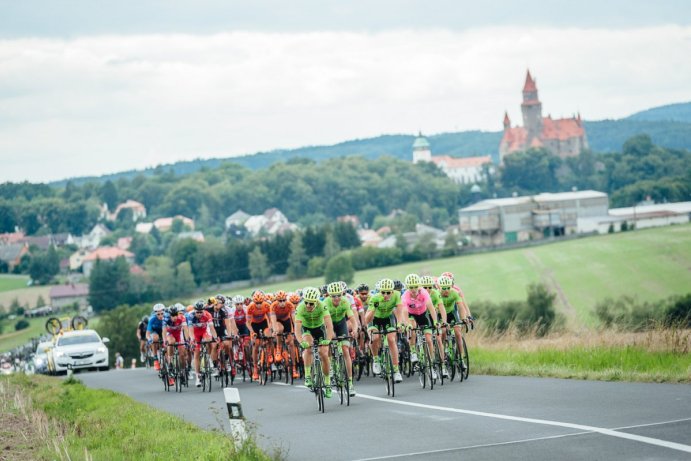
point(582, 272)
point(668, 126)
point(680, 112)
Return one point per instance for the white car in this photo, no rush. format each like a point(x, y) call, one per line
point(79, 349)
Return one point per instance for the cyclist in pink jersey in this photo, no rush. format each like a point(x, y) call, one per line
point(419, 306)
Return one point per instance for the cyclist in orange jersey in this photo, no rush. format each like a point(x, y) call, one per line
point(258, 317)
point(282, 318)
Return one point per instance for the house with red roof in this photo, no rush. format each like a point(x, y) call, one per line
point(105, 254)
point(564, 137)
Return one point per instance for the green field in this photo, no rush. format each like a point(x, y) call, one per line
point(650, 264)
point(12, 282)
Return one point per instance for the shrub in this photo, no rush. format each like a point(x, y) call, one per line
point(21, 325)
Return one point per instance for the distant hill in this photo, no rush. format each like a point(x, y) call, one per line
point(680, 112)
point(668, 126)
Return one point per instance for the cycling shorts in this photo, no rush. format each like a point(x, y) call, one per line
point(341, 327)
point(261, 326)
point(387, 323)
point(423, 321)
point(287, 325)
point(243, 330)
point(318, 334)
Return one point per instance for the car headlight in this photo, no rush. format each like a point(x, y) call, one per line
point(102, 350)
point(39, 361)
point(59, 354)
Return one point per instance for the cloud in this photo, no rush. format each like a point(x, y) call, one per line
point(101, 104)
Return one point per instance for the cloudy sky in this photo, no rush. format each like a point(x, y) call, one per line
point(88, 88)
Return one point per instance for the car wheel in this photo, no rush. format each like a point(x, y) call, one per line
point(104, 368)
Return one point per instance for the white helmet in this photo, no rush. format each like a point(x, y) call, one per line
point(159, 307)
point(238, 299)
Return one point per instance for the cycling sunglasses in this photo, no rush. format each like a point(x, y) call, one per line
point(387, 292)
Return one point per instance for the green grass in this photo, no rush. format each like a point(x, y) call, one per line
point(12, 282)
point(115, 427)
point(628, 363)
point(650, 264)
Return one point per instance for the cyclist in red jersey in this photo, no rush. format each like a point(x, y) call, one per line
point(175, 332)
point(202, 325)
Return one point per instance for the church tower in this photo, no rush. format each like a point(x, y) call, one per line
point(531, 108)
point(421, 150)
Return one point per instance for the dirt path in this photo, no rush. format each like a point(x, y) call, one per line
point(547, 277)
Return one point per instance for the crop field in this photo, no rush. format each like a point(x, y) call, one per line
point(12, 282)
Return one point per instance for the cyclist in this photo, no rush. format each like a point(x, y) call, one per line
point(313, 323)
point(465, 310)
point(141, 336)
point(175, 323)
point(383, 312)
point(282, 315)
point(421, 309)
point(344, 324)
point(222, 327)
point(258, 315)
point(202, 326)
point(452, 302)
point(154, 332)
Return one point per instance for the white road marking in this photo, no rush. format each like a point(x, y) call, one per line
point(580, 427)
point(405, 455)
point(652, 424)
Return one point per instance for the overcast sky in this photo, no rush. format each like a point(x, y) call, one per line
point(88, 88)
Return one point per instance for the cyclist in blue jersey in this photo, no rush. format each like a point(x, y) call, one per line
point(154, 331)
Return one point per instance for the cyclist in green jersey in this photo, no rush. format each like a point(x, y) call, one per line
point(384, 311)
point(452, 301)
point(313, 323)
point(344, 322)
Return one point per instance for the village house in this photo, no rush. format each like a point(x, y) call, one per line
point(105, 254)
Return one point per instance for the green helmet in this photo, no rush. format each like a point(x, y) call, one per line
point(386, 285)
point(334, 288)
point(445, 282)
point(310, 295)
point(427, 281)
point(412, 281)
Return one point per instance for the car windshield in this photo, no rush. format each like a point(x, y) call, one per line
point(81, 339)
point(41, 349)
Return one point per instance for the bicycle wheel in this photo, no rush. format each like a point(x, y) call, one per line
point(263, 368)
point(451, 364)
point(345, 381)
point(438, 362)
point(318, 384)
point(429, 369)
point(465, 359)
point(79, 322)
point(391, 373)
point(53, 326)
point(422, 368)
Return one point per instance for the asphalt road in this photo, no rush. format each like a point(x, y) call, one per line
point(486, 417)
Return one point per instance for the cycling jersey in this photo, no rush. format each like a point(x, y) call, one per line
point(340, 311)
point(257, 313)
point(450, 300)
point(155, 325)
point(416, 305)
point(239, 315)
point(434, 296)
point(282, 312)
point(383, 309)
point(142, 329)
point(201, 323)
point(312, 319)
point(351, 300)
point(174, 325)
point(220, 316)
point(358, 304)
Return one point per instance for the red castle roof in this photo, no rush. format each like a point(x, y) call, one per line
point(529, 83)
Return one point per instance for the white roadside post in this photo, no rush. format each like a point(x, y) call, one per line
point(237, 420)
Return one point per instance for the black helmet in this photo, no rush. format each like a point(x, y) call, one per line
point(145, 318)
point(323, 290)
point(200, 305)
point(397, 285)
point(173, 311)
point(363, 287)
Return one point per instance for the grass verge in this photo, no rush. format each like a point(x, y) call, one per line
point(660, 355)
point(102, 424)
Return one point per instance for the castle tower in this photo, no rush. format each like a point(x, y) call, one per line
point(421, 150)
point(507, 121)
point(531, 109)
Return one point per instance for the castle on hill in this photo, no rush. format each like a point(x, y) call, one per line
point(563, 137)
